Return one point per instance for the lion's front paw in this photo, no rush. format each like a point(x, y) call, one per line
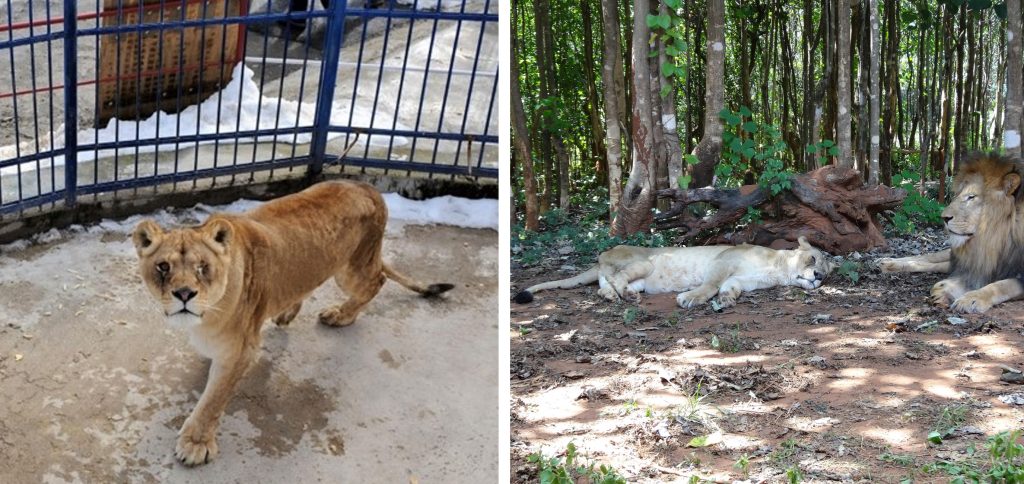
point(194, 447)
point(633, 296)
point(943, 292)
point(972, 302)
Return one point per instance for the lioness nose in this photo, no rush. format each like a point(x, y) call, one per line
point(818, 275)
point(184, 294)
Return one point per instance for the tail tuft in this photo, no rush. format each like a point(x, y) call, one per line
point(523, 297)
point(435, 290)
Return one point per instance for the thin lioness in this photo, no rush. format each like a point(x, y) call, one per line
point(985, 223)
point(725, 270)
point(220, 281)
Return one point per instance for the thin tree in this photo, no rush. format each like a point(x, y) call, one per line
point(843, 134)
point(522, 137)
point(874, 80)
point(613, 145)
point(634, 211)
point(710, 146)
point(1012, 119)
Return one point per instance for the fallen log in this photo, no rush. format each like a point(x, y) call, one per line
point(830, 206)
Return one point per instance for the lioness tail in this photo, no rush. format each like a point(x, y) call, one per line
point(431, 290)
point(588, 277)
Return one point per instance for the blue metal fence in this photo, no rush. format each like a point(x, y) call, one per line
point(396, 88)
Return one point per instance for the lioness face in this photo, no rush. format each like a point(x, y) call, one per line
point(812, 266)
point(183, 268)
point(974, 197)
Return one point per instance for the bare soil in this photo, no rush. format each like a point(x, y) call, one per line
point(844, 382)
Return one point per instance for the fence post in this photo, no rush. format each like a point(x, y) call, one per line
point(328, 79)
point(70, 102)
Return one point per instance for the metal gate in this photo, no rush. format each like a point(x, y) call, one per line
point(397, 87)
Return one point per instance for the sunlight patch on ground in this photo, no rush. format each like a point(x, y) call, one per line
point(715, 357)
point(893, 437)
point(850, 378)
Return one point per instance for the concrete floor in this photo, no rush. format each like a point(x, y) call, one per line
point(93, 385)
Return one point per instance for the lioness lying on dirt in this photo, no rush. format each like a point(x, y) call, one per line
point(725, 270)
point(222, 280)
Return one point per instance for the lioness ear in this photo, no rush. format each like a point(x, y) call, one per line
point(147, 237)
point(803, 242)
point(219, 233)
point(1010, 183)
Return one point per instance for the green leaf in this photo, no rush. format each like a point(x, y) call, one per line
point(667, 69)
point(680, 72)
point(684, 181)
point(812, 149)
point(745, 112)
point(935, 437)
point(665, 89)
point(671, 50)
point(748, 152)
point(716, 344)
point(664, 21)
point(699, 441)
point(674, 4)
point(833, 151)
point(652, 21)
point(979, 4)
point(749, 126)
point(691, 159)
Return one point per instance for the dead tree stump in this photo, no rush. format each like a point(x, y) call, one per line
point(830, 206)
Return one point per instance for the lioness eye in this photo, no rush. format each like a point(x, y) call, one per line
point(163, 267)
point(201, 269)
point(969, 198)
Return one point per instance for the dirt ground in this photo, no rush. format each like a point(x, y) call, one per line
point(844, 382)
point(94, 385)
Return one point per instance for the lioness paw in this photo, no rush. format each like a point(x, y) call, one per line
point(336, 317)
point(689, 300)
point(972, 302)
point(887, 265)
point(727, 300)
point(195, 449)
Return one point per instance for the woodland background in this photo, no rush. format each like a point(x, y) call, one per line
point(613, 100)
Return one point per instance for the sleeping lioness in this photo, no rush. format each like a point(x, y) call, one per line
point(725, 270)
point(220, 281)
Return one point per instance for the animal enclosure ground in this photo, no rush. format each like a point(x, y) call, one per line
point(94, 385)
point(843, 383)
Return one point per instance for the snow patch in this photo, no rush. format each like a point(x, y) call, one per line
point(238, 107)
point(445, 210)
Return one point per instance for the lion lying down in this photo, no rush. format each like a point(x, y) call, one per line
point(723, 270)
point(222, 280)
point(985, 223)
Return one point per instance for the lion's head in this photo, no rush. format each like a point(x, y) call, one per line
point(811, 265)
point(985, 233)
point(185, 269)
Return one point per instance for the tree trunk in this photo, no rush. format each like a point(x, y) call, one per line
point(710, 147)
point(541, 23)
point(874, 108)
point(634, 210)
point(1012, 119)
point(522, 137)
point(673, 151)
point(612, 54)
point(597, 149)
point(844, 140)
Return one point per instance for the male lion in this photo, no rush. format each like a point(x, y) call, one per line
point(221, 280)
point(725, 270)
point(986, 237)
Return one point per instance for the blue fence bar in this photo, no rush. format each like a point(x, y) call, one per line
point(179, 91)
